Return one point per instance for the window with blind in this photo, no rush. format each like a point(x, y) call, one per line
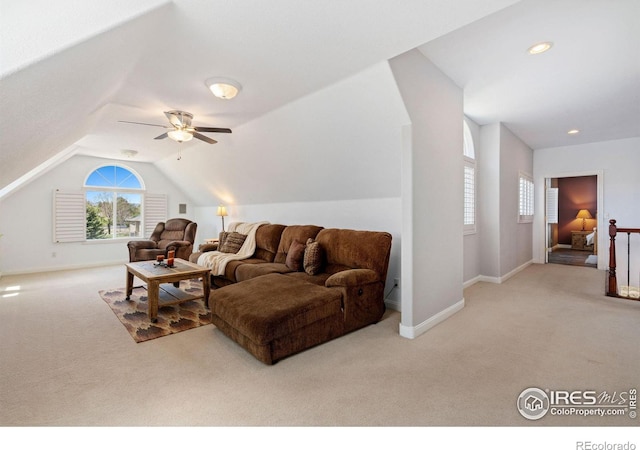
point(525, 209)
point(469, 196)
point(469, 203)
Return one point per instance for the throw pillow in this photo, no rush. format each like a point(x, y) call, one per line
point(295, 255)
point(221, 238)
point(232, 242)
point(313, 257)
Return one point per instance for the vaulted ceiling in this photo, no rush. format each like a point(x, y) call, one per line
point(70, 74)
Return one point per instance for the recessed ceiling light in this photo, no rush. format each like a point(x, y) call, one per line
point(540, 48)
point(224, 88)
point(574, 131)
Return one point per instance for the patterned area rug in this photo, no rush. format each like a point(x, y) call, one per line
point(171, 319)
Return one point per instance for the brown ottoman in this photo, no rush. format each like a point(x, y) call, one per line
point(275, 315)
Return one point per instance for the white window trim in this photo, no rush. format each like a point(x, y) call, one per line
point(115, 190)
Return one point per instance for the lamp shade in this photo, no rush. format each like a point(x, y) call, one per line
point(584, 214)
point(222, 211)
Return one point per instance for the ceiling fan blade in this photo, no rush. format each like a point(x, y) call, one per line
point(202, 137)
point(141, 123)
point(162, 136)
point(212, 130)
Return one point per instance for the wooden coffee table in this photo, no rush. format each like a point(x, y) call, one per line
point(155, 275)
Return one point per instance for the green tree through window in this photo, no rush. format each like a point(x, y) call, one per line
point(114, 203)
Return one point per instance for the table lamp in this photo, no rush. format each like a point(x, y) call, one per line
point(222, 211)
point(584, 214)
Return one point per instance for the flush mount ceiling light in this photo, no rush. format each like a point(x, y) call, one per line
point(539, 48)
point(574, 131)
point(224, 88)
point(129, 153)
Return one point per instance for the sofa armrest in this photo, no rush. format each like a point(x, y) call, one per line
point(182, 249)
point(362, 296)
point(142, 244)
point(134, 246)
point(352, 277)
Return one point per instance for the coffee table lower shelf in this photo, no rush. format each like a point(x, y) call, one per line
point(160, 292)
point(168, 295)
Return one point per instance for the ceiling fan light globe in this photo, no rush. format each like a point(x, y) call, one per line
point(180, 135)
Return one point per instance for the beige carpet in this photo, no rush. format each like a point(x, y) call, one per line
point(66, 361)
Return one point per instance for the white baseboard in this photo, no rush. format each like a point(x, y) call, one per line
point(67, 267)
point(393, 304)
point(497, 280)
point(471, 282)
point(414, 332)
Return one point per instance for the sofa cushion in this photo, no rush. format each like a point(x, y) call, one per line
point(232, 242)
point(273, 306)
point(313, 257)
point(295, 256)
point(267, 241)
point(319, 279)
point(247, 271)
point(292, 232)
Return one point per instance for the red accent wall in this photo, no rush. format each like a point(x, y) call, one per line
point(574, 194)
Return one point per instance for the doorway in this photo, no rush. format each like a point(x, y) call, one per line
point(572, 220)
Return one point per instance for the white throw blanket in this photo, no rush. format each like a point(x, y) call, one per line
point(217, 261)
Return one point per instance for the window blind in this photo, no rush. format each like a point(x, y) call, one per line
point(69, 216)
point(552, 205)
point(469, 196)
point(525, 214)
point(155, 210)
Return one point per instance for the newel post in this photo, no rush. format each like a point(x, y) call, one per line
point(612, 284)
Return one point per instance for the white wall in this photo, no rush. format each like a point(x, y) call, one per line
point(504, 243)
point(432, 223)
point(515, 238)
point(342, 142)
point(618, 161)
point(489, 200)
point(26, 219)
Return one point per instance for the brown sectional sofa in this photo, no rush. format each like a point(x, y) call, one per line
point(274, 311)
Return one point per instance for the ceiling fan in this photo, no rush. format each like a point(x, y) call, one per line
point(181, 129)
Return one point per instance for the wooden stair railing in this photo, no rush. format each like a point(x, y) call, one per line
point(612, 281)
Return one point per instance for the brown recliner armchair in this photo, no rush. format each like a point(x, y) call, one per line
point(174, 234)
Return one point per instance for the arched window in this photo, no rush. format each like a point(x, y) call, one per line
point(469, 180)
point(114, 196)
